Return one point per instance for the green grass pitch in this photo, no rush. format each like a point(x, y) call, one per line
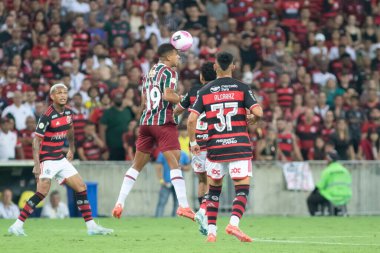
point(271, 234)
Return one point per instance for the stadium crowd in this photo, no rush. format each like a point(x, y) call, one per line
point(313, 64)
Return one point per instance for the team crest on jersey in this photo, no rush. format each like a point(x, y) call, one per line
point(173, 80)
point(68, 119)
point(214, 89)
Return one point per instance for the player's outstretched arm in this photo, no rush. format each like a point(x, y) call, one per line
point(171, 96)
point(36, 155)
point(191, 125)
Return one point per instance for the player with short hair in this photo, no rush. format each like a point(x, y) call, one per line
point(198, 161)
point(158, 126)
point(54, 126)
point(225, 102)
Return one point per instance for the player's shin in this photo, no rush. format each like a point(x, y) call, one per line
point(85, 208)
point(179, 186)
point(128, 182)
point(239, 203)
point(213, 207)
point(29, 207)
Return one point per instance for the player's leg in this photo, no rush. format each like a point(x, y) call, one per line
point(198, 164)
point(215, 172)
point(167, 138)
point(144, 147)
point(175, 201)
point(241, 173)
point(43, 187)
point(75, 182)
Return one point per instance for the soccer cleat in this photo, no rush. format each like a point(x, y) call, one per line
point(99, 230)
point(117, 210)
point(17, 231)
point(186, 212)
point(201, 219)
point(235, 231)
point(211, 238)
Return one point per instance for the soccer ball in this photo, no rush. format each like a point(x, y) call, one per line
point(182, 40)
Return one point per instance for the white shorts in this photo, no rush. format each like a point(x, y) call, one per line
point(237, 169)
point(57, 169)
point(198, 162)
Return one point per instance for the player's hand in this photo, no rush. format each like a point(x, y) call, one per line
point(37, 171)
point(195, 150)
point(251, 119)
point(69, 155)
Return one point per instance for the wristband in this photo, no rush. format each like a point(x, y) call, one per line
point(193, 143)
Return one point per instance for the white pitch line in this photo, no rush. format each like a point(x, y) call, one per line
point(332, 236)
point(319, 243)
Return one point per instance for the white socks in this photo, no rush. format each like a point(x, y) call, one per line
point(126, 187)
point(179, 186)
point(19, 223)
point(90, 224)
point(212, 229)
point(234, 221)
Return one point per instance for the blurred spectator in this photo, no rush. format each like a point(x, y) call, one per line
point(307, 131)
point(8, 209)
point(369, 148)
point(55, 208)
point(9, 143)
point(117, 27)
point(129, 140)
point(167, 189)
point(12, 84)
point(248, 53)
point(113, 124)
point(79, 118)
point(26, 136)
point(342, 141)
point(218, 10)
point(288, 149)
point(318, 151)
point(15, 46)
point(267, 148)
point(184, 140)
point(18, 111)
point(91, 147)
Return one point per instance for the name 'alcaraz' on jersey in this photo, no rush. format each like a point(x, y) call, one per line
point(158, 111)
point(201, 134)
point(225, 101)
point(53, 127)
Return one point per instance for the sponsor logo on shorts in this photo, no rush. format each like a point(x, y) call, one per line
point(236, 170)
point(227, 141)
point(215, 172)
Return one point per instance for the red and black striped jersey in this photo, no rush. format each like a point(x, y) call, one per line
point(79, 121)
point(91, 150)
point(285, 96)
point(82, 40)
point(285, 144)
point(225, 101)
point(27, 147)
point(53, 127)
point(188, 100)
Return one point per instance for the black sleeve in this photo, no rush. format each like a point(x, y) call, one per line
point(42, 125)
point(185, 102)
point(198, 106)
point(249, 98)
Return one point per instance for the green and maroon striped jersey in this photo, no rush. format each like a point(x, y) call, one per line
point(158, 111)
